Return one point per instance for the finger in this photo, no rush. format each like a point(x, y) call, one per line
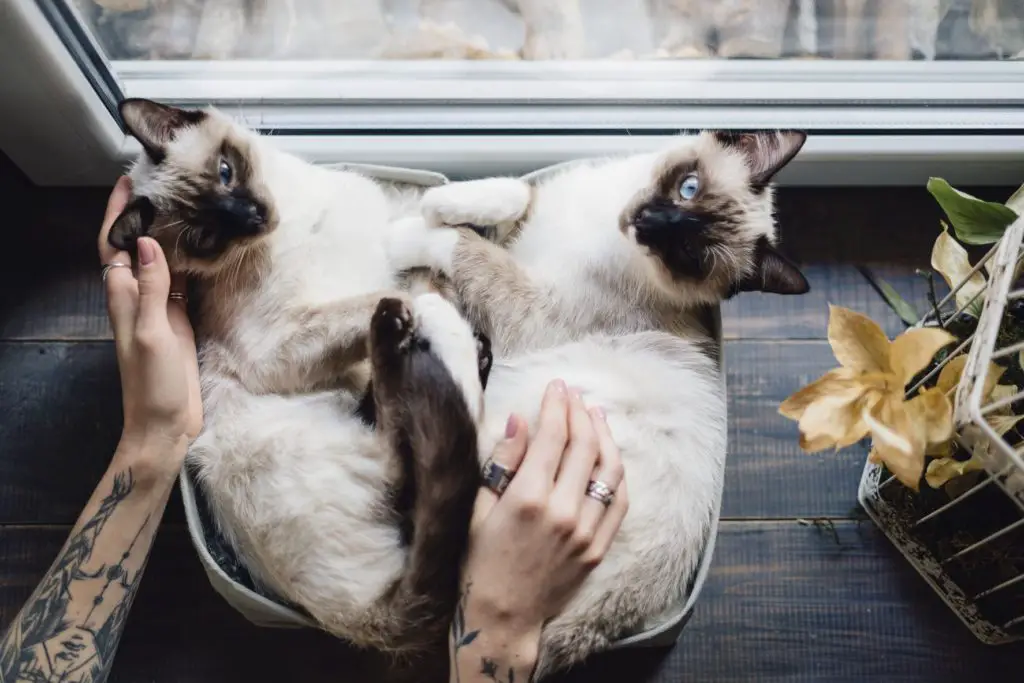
point(609, 525)
point(580, 456)
point(154, 285)
point(509, 454)
point(122, 298)
point(608, 470)
point(544, 454)
point(115, 205)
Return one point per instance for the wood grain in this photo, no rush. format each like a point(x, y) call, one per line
point(64, 420)
point(771, 316)
point(61, 423)
point(784, 603)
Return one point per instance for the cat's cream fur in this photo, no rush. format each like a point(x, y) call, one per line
point(300, 487)
point(573, 294)
point(299, 484)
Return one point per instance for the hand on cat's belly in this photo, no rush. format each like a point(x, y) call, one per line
point(531, 549)
point(411, 243)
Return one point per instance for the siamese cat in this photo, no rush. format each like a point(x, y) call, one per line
point(350, 500)
point(298, 268)
point(593, 274)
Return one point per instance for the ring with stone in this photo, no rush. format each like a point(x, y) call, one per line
point(496, 476)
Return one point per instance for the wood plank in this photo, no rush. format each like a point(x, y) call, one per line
point(767, 475)
point(784, 603)
point(61, 423)
point(771, 316)
point(64, 420)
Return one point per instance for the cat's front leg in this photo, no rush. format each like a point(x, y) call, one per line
point(319, 349)
point(499, 297)
point(892, 30)
point(495, 206)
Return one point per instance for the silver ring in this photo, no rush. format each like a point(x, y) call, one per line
point(178, 296)
point(496, 477)
point(601, 492)
point(107, 267)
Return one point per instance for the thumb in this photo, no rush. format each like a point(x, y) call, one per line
point(154, 283)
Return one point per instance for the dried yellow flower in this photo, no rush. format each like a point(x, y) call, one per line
point(950, 260)
point(945, 467)
point(866, 395)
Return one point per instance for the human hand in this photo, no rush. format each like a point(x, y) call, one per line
point(531, 549)
point(156, 351)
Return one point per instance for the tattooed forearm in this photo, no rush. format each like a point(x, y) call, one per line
point(477, 655)
point(70, 627)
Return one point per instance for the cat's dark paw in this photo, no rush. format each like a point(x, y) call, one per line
point(391, 330)
point(485, 358)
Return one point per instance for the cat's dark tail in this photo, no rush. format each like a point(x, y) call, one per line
point(427, 378)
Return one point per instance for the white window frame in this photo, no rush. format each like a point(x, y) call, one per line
point(868, 122)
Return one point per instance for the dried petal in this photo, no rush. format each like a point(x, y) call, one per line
point(897, 440)
point(832, 419)
point(943, 470)
point(833, 380)
point(932, 413)
point(857, 341)
point(953, 371)
point(912, 351)
point(950, 374)
point(1003, 423)
point(950, 260)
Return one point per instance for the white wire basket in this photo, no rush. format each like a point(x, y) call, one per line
point(967, 539)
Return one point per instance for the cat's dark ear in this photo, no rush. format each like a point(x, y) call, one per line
point(154, 124)
point(767, 152)
point(133, 223)
point(773, 273)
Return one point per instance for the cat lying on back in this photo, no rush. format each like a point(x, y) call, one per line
point(296, 292)
point(594, 275)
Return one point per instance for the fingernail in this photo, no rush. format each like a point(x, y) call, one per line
point(599, 414)
point(559, 386)
point(511, 427)
point(147, 252)
point(576, 392)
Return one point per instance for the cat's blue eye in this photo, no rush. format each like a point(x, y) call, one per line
point(688, 188)
point(225, 172)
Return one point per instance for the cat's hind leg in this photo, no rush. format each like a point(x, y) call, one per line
point(428, 397)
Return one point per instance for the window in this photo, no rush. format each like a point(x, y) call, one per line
point(492, 84)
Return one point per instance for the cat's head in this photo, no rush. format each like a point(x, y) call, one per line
point(197, 187)
point(705, 223)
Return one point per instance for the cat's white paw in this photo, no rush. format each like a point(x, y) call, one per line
point(451, 339)
point(411, 243)
point(485, 202)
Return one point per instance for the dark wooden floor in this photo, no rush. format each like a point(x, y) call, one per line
point(786, 601)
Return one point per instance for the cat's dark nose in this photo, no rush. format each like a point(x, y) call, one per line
point(661, 216)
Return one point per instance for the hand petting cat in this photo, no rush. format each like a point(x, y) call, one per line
point(532, 548)
point(156, 351)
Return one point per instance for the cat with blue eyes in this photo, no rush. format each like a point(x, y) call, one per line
point(597, 273)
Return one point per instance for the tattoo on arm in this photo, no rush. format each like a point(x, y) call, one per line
point(70, 628)
point(460, 638)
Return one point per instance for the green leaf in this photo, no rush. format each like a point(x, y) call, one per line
point(975, 221)
point(1016, 201)
point(900, 306)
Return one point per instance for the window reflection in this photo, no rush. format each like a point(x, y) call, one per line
point(539, 30)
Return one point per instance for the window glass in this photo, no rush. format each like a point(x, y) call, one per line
point(543, 30)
